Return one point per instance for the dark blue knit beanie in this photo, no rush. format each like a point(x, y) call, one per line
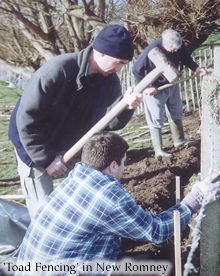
point(115, 41)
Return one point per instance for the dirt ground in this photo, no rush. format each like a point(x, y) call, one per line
point(152, 183)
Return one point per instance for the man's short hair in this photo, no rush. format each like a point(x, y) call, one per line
point(171, 39)
point(103, 148)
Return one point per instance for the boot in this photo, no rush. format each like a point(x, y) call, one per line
point(156, 137)
point(176, 128)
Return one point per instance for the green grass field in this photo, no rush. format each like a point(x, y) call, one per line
point(8, 98)
point(214, 37)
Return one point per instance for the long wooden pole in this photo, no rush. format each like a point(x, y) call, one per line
point(177, 189)
point(177, 243)
point(177, 233)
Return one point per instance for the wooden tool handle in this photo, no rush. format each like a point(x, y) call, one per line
point(160, 88)
point(115, 111)
point(168, 85)
point(101, 124)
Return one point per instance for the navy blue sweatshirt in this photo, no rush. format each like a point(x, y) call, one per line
point(144, 65)
point(59, 105)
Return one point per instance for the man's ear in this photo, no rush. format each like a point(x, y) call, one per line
point(113, 167)
point(97, 53)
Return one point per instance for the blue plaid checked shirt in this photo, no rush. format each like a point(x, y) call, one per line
point(84, 219)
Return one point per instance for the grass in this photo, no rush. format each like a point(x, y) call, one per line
point(8, 168)
point(134, 135)
point(214, 37)
point(8, 96)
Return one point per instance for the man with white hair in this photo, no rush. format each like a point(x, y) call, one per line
point(169, 99)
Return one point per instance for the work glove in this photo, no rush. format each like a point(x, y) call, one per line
point(210, 189)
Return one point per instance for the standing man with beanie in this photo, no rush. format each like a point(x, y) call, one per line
point(62, 101)
point(169, 100)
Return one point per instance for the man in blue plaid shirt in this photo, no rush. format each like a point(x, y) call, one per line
point(86, 216)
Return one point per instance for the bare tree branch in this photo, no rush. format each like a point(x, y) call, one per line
point(195, 20)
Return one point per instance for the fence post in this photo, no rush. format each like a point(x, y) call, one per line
point(210, 162)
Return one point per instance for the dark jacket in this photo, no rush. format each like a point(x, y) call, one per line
point(59, 105)
point(144, 65)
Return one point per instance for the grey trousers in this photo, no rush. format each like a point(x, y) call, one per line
point(36, 184)
point(169, 101)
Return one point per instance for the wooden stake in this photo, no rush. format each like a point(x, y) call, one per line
point(177, 232)
point(177, 242)
point(177, 189)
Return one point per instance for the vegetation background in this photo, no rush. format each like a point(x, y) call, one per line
point(33, 31)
